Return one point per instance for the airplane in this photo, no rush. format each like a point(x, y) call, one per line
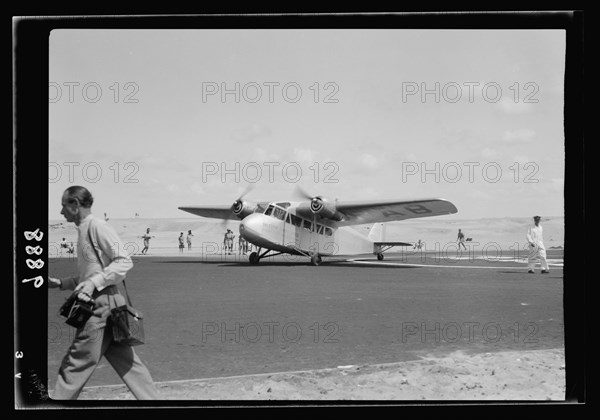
point(318, 227)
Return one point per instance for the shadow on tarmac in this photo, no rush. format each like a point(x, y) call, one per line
point(324, 264)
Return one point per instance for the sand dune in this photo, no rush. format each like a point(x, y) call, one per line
point(436, 233)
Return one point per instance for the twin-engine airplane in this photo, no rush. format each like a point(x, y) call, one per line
point(317, 227)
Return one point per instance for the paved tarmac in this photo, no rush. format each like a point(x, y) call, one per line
point(220, 316)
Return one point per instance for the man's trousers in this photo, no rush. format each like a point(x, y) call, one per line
point(91, 343)
point(535, 251)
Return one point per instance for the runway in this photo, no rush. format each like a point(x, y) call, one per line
point(220, 316)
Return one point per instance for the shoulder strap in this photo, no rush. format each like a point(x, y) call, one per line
point(93, 244)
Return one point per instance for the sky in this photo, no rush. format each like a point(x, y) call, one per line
point(149, 120)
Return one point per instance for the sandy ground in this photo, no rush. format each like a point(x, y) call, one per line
point(531, 375)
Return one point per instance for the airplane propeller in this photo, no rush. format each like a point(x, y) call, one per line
point(315, 201)
point(320, 205)
point(301, 193)
point(238, 204)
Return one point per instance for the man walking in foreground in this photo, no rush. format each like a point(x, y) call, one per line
point(98, 276)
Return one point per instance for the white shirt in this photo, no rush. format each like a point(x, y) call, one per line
point(534, 235)
point(111, 249)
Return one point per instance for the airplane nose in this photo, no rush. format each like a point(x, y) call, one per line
point(250, 227)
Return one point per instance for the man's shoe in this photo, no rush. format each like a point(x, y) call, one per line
point(531, 271)
point(545, 271)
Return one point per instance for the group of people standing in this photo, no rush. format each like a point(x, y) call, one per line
point(188, 239)
point(243, 245)
point(146, 237)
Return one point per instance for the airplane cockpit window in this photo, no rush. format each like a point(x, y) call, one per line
point(279, 213)
point(284, 205)
point(307, 225)
point(269, 210)
point(320, 232)
point(296, 221)
point(328, 231)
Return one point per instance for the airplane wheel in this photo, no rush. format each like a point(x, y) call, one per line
point(254, 258)
point(315, 260)
point(380, 257)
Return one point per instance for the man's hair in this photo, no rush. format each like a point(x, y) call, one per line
point(81, 195)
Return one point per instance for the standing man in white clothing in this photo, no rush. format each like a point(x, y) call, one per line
point(536, 246)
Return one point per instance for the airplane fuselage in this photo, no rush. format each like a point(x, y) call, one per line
point(279, 228)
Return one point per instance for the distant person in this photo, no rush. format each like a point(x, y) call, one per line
point(99, 273)
point(242, 245)
point(105, 217)
point(536, 246)
point(63, 244)
point(181, 239)
point(418, 245)
point(71, 249)
point(146, 237)
point(461, 240)
point(189, 240)
point(228, 241)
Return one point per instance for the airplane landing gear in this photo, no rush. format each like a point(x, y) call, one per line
point(380, 257)
point(315, 260)
point(254, 258)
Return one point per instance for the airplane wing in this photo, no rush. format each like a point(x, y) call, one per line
point(219, 212)
point(216, 212)
point(391, 244)
point(363, 212)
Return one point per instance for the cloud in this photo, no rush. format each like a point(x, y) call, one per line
point(522, 159)
point(557, 184)
point(251, 133)
point(197, 188)
point(369, 161)
point(489, 153)
point(261, 155)
point(522, 135)
point(304, 155)
point(509, 106)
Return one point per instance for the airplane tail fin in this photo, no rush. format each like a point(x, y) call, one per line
point(377, 233)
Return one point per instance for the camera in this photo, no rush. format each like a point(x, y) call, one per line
point(77, 311)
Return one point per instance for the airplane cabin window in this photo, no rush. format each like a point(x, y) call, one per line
point(296, 221)
point(328, 232)
point(293, 219)
point(307, 225)
point(320, 230)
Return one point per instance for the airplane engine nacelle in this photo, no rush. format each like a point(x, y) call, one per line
point(322, 207)
point(243, 208)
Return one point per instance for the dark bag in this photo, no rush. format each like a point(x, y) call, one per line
point(126, 322)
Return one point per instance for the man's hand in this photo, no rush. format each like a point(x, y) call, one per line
point(85, 289)
point(53, 282)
